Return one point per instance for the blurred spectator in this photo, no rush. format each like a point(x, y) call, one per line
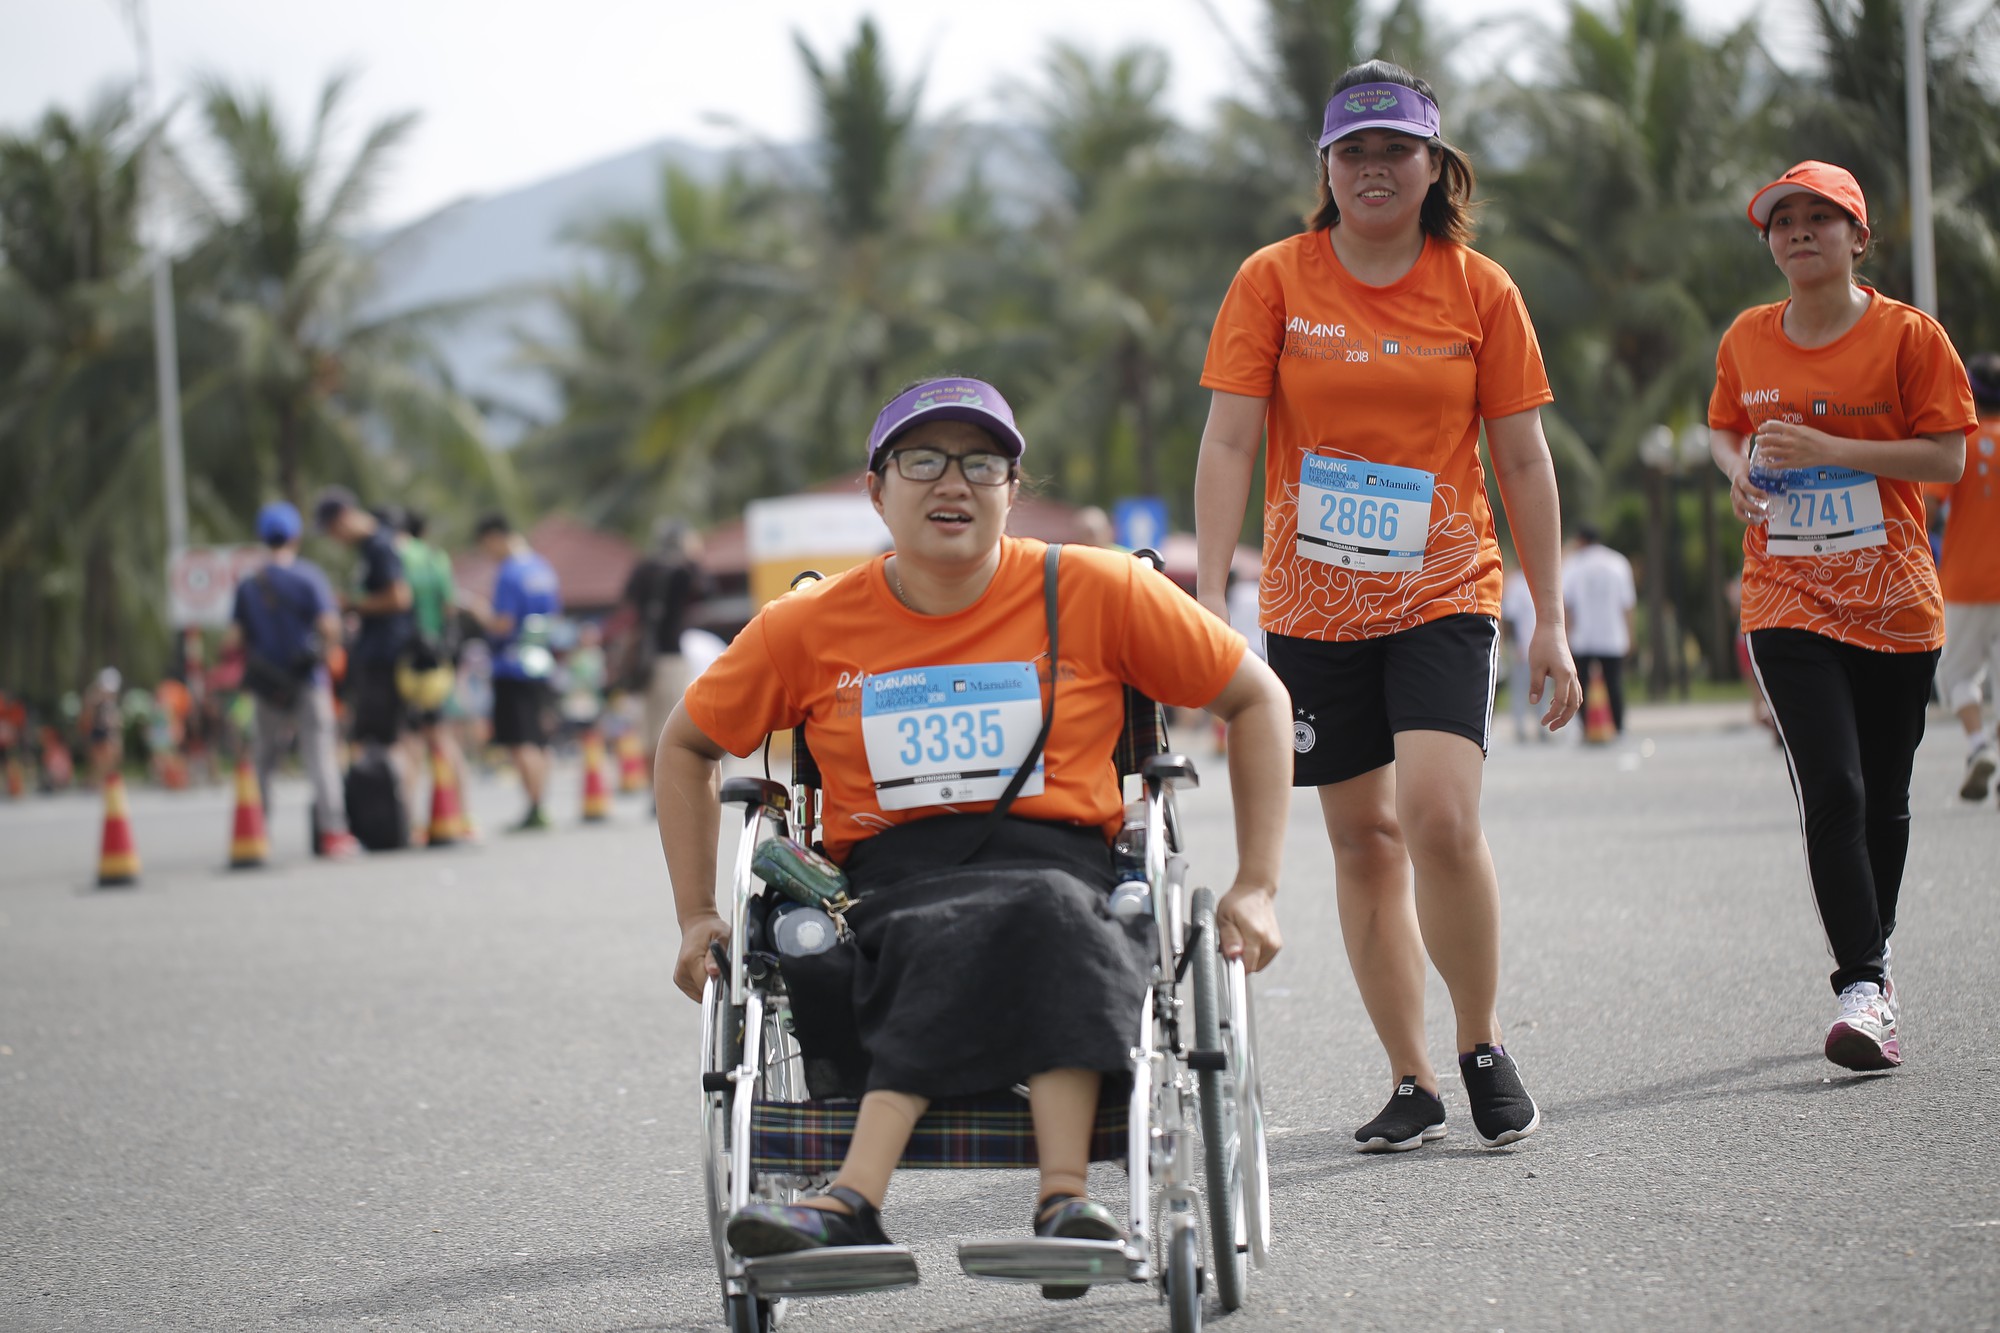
point(525, 594)
point(375, 702)
point(1970, 573)
point(284, 618)
point(103, 721)
point(1598, 596)
point(583, 677)
point(426, 676)
point(1517, 615)
point(663, 588)
point(1242, 596)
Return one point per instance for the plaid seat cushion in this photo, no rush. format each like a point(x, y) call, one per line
point(987, 1131)
point(1145, 733)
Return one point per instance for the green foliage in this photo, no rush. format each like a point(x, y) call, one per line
point(736, 338)
point(285, 383)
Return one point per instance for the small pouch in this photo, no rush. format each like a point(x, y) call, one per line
point(801, 874)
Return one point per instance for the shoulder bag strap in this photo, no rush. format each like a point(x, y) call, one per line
point(1051, 566)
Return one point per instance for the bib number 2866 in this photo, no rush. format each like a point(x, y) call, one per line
point(1363, 516)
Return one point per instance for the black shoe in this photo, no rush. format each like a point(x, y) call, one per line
point(1502, 1110)
point(1412, 1118)
point(1074, 1218)
point(774, 1228)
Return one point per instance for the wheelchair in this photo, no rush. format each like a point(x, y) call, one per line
point(1194, 1081)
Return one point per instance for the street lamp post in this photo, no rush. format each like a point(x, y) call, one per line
point(1656, 454)
point(1916, 102)
point(166, 348)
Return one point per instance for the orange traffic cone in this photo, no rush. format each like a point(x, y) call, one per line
point(596, 797)
point(448, 823)
point(631, 764)
point(117, 858)
point(249, 846)
point(1598, 728)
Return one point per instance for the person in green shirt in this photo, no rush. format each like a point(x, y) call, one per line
point(427, 673)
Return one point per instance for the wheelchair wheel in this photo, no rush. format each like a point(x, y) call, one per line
point(1240, 1045)
point(1221, 1137)
point(1184, 1280)
point(747, 1314)
point(722, 1038)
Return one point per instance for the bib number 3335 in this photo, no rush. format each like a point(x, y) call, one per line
point(1362, 515)
point(945, 734)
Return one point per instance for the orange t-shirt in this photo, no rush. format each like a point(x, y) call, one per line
point(805, 657)
point(1970, 571)
point(1893, 376)
point(1398, 375)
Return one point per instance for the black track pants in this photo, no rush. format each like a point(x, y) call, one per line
point(1850, 719)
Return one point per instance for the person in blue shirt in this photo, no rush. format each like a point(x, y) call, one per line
point(285, 616)
point(525, 588)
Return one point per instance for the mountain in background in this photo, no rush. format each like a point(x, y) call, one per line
point(497, 255)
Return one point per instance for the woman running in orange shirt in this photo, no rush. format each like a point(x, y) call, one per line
point(1853, 400)
point(1369, 350)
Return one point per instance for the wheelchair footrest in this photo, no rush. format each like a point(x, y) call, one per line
point(832, 1272)
point(1051, 1260)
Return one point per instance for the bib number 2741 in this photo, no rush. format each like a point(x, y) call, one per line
point(1826, 510)
point(1364, 516)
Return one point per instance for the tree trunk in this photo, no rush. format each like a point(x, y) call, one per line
point(1656, 584)
point(1721, 660)
point(288, 451)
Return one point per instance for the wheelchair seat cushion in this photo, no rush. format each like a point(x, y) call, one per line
point(968, 978)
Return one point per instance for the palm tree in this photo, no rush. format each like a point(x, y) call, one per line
point(309, 384)
point(1623, 225)
point(1852, 111)
point(80, 525)
point(746, 336)
point(635, 440)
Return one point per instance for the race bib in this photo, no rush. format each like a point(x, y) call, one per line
point(1826, 509)
point(947, 734)
point(1362, 515)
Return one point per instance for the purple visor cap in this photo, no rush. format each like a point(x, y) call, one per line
point(1379, 106)
point(973, 401)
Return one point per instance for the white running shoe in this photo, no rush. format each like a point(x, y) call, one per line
point(1979, 768)
point(1864, 1036)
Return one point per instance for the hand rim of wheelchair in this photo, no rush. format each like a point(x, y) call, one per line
point(1163, 1088)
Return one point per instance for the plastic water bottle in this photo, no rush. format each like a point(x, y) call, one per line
point(800, 931)
point(1131, 898)
point(1132, 895)
point(1771, 481)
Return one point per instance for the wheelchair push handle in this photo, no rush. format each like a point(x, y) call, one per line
point(757, 791)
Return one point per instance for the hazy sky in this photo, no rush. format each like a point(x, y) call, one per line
point(514, 90)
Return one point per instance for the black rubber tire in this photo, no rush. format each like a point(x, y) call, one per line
point(746, 1314)
point(1220, 1142)
point(1184, 1281)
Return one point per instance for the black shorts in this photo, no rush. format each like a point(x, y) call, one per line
point(1350, 699)
point(377, 705)
point(520, 711)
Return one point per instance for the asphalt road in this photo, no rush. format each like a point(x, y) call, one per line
point(454, 1089)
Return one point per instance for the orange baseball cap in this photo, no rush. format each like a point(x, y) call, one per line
point(1821, 178)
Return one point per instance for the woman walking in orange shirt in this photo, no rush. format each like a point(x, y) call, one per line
point(1853, 400)
point(1368, 350)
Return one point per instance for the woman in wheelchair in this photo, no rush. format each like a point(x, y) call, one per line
point(984, 952)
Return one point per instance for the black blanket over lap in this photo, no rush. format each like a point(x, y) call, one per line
point(970, 978)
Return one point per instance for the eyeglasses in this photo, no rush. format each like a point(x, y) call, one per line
point(981, 469)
